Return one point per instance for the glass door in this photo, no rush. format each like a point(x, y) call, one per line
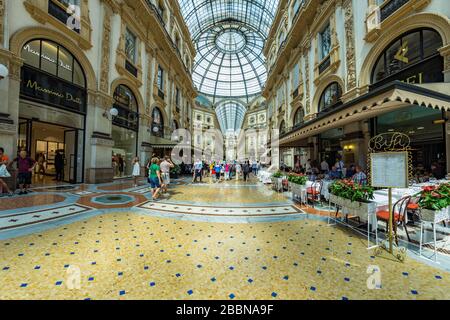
point(74, 156)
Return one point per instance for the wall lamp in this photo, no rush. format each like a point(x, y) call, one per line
point(4, 72)
point(113, 112)
point(348, 148)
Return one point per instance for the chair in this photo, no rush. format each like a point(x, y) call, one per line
point(399, 216)
point(413, 208)
point(314, 192)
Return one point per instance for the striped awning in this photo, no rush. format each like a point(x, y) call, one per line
point(390, 97)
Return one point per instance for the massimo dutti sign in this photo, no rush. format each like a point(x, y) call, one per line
point(42, 87)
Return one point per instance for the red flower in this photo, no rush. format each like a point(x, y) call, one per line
point(428, 188)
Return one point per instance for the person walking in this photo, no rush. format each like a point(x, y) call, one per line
point(166, 165)
point(41, 163)
point(246, 170)
point(121, 166)
point(198, 166)
point(227, 171)
point(238, 170)
point(217, 169)
point(59, 166)
point(4, 172)
point(155, 178)
point(136, 171)
point(25, 166)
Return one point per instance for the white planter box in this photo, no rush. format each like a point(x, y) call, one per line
point(296, 188)
point(336, 200)
point(435, 216)
point(360, 209)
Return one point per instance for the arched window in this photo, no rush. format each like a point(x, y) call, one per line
point(413, 57)
point(330, 97)
point(157, 123)
point(299, 117)
point(52, 75)
point(125, 98)
point(55, 60)
point(126, 104)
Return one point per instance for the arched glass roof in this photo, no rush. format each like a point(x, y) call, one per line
point(229, 35)
point(231, 116)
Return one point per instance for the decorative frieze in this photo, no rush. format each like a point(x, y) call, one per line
point(106, 49)
point(2, 21)
point(350, 44)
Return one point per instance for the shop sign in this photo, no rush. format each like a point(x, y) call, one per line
point(42, 87)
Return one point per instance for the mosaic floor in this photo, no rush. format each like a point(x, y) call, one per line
point(221, 241)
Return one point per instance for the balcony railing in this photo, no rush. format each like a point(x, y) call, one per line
point(389, 7)
point(131, 68)
point(161, 94)
point(324, 64)
point(163, 24)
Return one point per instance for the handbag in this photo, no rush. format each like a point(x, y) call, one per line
point(4, 172)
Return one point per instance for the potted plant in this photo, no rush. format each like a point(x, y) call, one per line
point(175, 172)
point(277, 180)
point(355, 197)
point(297, 182)
point(434, 202)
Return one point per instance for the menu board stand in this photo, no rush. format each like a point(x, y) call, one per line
point(389, 168)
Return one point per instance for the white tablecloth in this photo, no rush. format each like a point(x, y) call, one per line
point(324, 192)
point(265, 176)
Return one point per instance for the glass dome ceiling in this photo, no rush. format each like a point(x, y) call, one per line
point(231, 116)
point(229, 36)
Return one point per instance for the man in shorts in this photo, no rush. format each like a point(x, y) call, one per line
point(25, 166)
point(166, 165)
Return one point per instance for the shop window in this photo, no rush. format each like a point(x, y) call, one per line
point(157, 123)
point(330, 97)
point(405, 53)
point(126, 104)
point(65, 69)
point(54, 60)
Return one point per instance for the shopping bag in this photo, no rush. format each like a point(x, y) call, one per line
point(4, 172)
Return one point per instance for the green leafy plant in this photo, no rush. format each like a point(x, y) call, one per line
point(277, 174)
point(298, 179)
point(347, 189)
point(176, 170)
point(435, 198)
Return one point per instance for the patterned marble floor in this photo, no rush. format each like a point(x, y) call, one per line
point(248, 244)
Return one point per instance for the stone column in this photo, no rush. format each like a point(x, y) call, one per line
point(447, 140)
point(9, 102)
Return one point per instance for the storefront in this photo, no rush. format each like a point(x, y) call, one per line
point(52, 109)
point(414, 59)
point(407, 94)
point(125, 127)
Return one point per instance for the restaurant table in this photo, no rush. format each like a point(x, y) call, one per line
point(325, 185)
point(265, 176)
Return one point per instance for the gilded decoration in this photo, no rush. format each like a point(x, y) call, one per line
point(350, 44)
point(106, 49)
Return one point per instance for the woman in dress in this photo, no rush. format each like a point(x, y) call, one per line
point(136, 171)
